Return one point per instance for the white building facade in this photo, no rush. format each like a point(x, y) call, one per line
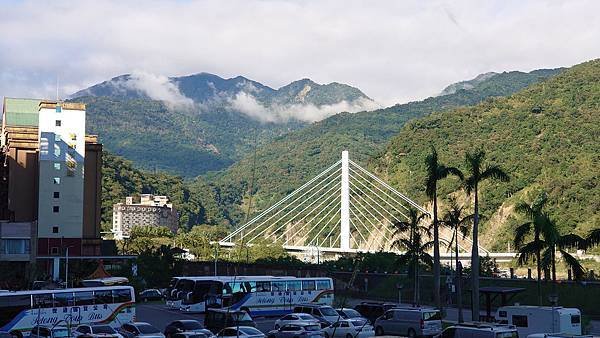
point(150, 211)
point(61, 169)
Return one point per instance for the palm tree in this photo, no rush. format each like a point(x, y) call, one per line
point(546, 241)
point(592, 239)
point(477, 174)
point(414, 246)
point(455, 220)
point(435, 172)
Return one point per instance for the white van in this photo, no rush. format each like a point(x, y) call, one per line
point(480, 330)
point(540, 319)
point(410, 322)
point(557, 335)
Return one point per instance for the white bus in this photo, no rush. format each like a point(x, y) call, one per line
point(22, 310)
point(258, 295)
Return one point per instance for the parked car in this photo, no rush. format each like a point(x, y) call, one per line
point(293, 318)
point(409, 322)
point(192, 334)
point(240, 332)
point(95, 331)
point(325, 312)
point(347, 313)
point(150, 295)
point(349, 328)
point(373, 310)
point(216, 320)
point(49, 332)
point(186, 326)
point(297, 329)
point(480, 330)
point(4, 334)
point(558, 335)
point(140, 329)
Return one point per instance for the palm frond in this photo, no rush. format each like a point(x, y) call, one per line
point(528, 251)
point(495, 172)
point(592, 239)
point(571, 241)
point(573, 264)
point(521, 232)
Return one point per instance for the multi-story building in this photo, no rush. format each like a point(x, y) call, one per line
point(51, 181)
point(150, 211)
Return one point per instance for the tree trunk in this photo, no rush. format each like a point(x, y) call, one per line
point(458, 280)
point(475, 262)
point(417, 293)
point(554, 270)
point(538, 257)
point(436, 255)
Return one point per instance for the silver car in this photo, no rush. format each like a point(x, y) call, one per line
point(140, 329)
point(297, 329)
point(49, 332)
point(294, 318)
point(409, 322)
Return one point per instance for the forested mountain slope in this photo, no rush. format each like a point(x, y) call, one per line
point(545, 137)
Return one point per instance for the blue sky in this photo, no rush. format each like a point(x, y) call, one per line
point(394, 51)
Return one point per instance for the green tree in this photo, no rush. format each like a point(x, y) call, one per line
point(436, 171)
point(478, 172)
point(459, 223)
point(546, 241)
point(415, 247)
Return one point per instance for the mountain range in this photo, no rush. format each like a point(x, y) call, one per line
point(194, 124)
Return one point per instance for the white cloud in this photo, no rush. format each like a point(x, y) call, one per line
point(159, 87)
point(392, 50)
point(246, 103)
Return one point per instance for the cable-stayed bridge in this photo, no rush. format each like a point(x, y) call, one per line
point(343, 209)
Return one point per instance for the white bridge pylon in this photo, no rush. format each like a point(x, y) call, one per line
point(343, 209)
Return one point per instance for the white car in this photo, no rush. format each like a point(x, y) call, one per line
point(244, 332)
point(349, 328)
point(294, 318)
point(96, 331)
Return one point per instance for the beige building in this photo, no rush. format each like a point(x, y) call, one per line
point(50, 181)
point(149, 211)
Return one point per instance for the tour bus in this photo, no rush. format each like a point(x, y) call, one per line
point(540, 319)
point(178, 288)
point(22, 310)
point(257, 295)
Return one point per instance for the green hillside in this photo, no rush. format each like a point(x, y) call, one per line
point(545, 137)
point(290, 160)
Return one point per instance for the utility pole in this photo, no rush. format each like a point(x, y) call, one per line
point(67, 268)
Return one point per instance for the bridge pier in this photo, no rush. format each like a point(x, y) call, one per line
point(345, 204)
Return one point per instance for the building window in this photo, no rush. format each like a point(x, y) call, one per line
point(73, 136)
point(58, 123)
point(56, 150)
point(55, 208)
point(57, 180)
point(55, 229)
point(57, 138)
point(56, 194)
point(54, 250)
point(15, 246)
point(57, 165)
point(58, 108)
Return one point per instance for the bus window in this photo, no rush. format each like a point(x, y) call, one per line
point(248, 287)
point(121, 296)
point(43, 300)
point(103, 297)
point(278, 286)
point(231, 288)
point(63, 299)
point(263, 286)
point(84, 298)
point(294, 285)
point(308, 285)
point(11, 306)
point(324, 284)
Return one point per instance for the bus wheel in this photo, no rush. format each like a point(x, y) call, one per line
point(411, 333)
point(16, 334)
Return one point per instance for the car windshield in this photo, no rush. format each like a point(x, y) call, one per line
point(312, 327)
point(147, 328)
point(192, 325)
point(433, 315)
point(103, 329)
point(305, 317)
point(249, 331)
point(512, 334)
point(62, 332)
point(351, 313)
point(328, 311)
point(358, 322)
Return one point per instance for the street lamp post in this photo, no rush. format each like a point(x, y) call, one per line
point(67, 268)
